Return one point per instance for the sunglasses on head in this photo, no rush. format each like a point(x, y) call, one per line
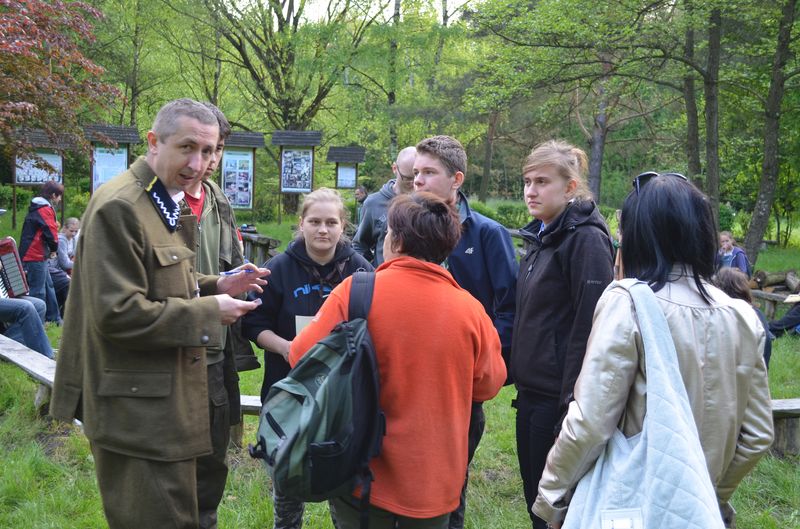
point(640, 181)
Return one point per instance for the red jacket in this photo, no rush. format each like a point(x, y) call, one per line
point(39, 232)
point(437, 352)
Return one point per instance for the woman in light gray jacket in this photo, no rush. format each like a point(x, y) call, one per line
point(669, 242)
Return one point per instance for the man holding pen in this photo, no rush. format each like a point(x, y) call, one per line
point(132, 365)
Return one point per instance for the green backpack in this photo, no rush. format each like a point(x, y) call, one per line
point(321, 425)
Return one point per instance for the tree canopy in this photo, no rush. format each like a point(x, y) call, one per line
point(705, 87)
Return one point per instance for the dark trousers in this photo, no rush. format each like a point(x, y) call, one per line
point(140, 493)
point(346, 513)
point(537, 417)
point(788, 323)
point(212, 471)
point(477, 423)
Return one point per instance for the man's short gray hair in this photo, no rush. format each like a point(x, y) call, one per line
point(166, 122)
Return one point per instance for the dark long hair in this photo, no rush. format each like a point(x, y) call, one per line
point(668, 222)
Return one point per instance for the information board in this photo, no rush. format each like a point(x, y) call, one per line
point(27, 174)
point(107, 163)
point(297, 170)
point(237, 177)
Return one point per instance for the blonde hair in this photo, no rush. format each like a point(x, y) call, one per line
point(324, 194)
point(728, 235)
point(70, 221)
point(569, 161)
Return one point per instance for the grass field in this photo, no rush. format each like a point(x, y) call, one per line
point(48, 480)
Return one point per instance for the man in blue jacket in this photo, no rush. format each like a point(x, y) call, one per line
point(483, 263)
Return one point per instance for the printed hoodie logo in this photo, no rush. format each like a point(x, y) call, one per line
point(306, 289)
point(469, 250)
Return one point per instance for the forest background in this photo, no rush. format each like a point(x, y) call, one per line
point(703, 87)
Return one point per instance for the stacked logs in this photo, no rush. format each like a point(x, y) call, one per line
point(776, 282)
point(771, 288)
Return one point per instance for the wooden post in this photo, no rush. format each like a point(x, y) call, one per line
point(786, 416)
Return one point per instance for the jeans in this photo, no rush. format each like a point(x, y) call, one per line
point(24, 319)
point(41, 285)
point(537, 417)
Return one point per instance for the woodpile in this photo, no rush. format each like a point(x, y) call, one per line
point(771, 288)
point(776, 282)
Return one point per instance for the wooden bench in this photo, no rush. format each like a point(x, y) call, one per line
point(43, 370)
point(38, 366)
point(785, 412)
point(769, 301)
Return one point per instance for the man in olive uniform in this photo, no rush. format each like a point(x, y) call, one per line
point(132, 364)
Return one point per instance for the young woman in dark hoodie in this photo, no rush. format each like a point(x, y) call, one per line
point(315, 262)
point(568, 265)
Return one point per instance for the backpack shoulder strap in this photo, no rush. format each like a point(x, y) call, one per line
point(361, 295)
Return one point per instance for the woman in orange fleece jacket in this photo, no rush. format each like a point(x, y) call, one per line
point(437, 352)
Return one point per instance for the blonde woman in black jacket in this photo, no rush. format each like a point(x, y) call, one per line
point(569, 263)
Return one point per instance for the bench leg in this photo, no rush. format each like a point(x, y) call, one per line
point(42, 399)
point(237, 432)
point(787, 437)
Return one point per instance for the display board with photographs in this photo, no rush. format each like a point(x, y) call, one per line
point(107, 162)
point(297, 170)
point(237, 177)
point(27, 173)
point(346, 176)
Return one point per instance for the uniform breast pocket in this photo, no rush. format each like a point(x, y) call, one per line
point(173, 274)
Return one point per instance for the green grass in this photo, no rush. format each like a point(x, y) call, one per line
point(778, 259)
point(48, 477)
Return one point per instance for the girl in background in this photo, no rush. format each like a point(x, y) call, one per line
point(317, 260)
point(731, 255)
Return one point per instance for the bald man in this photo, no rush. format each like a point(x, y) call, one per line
point(368, 240)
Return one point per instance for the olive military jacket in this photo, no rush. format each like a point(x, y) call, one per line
point(132, 363)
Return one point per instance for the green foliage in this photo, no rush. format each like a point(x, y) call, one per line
point(6, 197)
point(726, 217)
point(76, 204)
point(513, 214)
point(24, 196)
point(483, 209)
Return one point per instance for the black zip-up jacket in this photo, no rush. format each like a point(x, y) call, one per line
point(297, 286)
point(560, 279)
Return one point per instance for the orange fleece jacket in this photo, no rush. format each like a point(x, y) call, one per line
point(437, 352)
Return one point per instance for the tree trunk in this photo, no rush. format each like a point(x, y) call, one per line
point(690, 103)
point(392, 92)
point(597, 145)
point(711, 89)
point(134, 79)
point(769, 168)
point(488, 153)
